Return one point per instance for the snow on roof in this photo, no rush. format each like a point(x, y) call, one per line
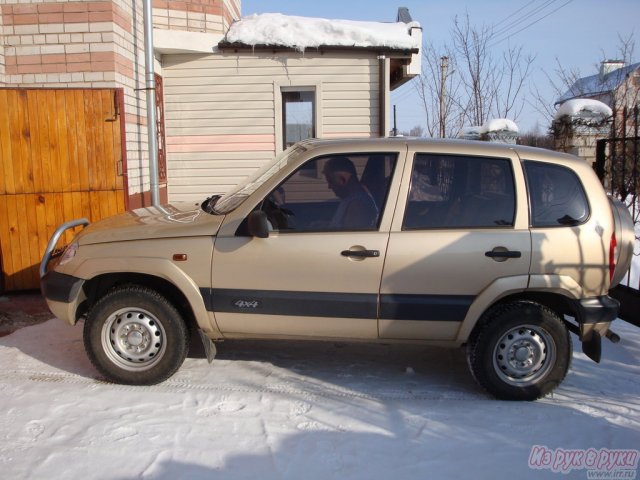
point(597, 84)
point(583, 107)
point(275, 29)
point(499, 125)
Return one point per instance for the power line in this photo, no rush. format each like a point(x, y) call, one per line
point(525, 16)
point(531, 24)
point(511, 15)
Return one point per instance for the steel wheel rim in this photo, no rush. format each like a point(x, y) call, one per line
point(524, 355)
point(134, 339)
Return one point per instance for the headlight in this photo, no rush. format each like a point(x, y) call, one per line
point(68, 253)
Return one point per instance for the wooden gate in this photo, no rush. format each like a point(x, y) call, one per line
point(61, 158)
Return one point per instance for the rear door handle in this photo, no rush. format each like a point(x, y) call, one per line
point(360, 253)
point(495, 253)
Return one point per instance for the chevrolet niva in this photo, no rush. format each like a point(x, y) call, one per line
point(501, 249)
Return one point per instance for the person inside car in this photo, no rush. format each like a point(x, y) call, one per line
point(357, 209)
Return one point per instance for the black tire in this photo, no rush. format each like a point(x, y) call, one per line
point(135, 336)
point(520, 351)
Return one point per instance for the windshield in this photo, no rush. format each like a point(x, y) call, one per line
point(234, 198)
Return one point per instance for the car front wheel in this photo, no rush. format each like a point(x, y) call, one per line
point(521, 351)
point(135, 336)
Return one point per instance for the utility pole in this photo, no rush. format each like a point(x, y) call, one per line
point(444, 64)
point(395, 125)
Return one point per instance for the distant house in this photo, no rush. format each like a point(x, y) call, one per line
point(597, 107)
point(616, 85)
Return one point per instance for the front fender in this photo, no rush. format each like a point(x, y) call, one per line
point(156, 267)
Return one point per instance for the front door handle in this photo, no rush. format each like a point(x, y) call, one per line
point(501, 253)
point(360, 253)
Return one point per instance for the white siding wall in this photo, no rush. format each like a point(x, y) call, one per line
point(223, 118)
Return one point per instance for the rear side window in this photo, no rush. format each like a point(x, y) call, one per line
point(556, 195)
point(457, 191)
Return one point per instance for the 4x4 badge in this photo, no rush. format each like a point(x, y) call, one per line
point(246, 304)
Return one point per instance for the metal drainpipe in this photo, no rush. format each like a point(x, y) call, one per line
point(382, 101)
point(150, 88)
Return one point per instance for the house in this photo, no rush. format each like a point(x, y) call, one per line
point(73, 131)
point(616, 85)
point(597, 107)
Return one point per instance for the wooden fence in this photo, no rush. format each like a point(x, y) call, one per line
point(61, 158)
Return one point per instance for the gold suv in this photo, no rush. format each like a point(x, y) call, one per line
point(502, 249)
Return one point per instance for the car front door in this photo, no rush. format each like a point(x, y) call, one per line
point(461, 231)
point(318, 272)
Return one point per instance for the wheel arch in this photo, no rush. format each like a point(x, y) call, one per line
point(560, 304)
point(98, 286)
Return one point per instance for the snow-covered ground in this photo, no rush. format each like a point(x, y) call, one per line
point(297, 410)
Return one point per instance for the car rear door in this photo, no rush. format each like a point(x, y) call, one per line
point(460, 232)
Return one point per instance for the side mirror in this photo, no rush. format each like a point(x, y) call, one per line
point(258, 224)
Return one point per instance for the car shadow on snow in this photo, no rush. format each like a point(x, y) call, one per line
point(444, 440)
point(370, 369)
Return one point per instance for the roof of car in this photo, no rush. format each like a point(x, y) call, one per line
point(469, 147)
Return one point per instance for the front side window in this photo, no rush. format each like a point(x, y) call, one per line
point(298, 116)
point(332, 193)
point(455, 191)
point(556, 195)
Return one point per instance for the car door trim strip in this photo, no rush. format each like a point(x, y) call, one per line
point(340, 305)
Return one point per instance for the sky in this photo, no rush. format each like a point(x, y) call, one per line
point(578, 33)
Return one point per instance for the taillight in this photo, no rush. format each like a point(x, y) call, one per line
point(612, 256)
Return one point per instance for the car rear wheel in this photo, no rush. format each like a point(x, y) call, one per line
point(521, 351)
point(135, 336)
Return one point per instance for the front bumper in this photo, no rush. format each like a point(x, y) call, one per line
point(63, 294)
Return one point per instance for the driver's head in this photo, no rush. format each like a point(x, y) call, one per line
point(341, 175)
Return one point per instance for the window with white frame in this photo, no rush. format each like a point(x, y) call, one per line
point(298, 115)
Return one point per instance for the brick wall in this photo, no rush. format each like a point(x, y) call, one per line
point(2, 60)
point(209, 16)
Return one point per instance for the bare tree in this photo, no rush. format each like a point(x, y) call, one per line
point(416, 131)
point(478, 84)
point(432, 85)
point(516, 66)
point(561, 80)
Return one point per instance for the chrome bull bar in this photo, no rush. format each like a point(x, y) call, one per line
point(54, 240)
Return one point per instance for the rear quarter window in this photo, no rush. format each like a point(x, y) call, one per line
point(556, 195)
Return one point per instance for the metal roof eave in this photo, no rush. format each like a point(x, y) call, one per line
point(401, 52)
